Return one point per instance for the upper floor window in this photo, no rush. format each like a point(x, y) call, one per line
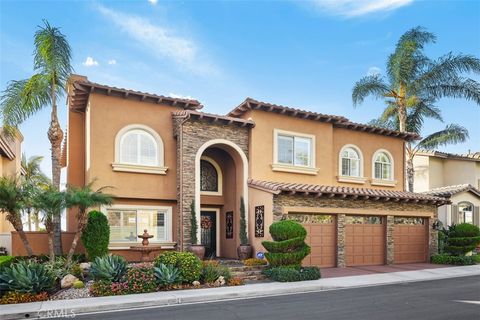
point(383, 166)
point(465, 212)
point(350, 162)
point(139, 148)
point(210, 177)
point(293, 152)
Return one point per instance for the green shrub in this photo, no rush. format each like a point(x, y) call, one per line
point(78, 284)
point(464, 230)
point(140, 280)
point(108, 268)
point(445, 258)
point(461, 239)
point(284, 274)
point(26, 277)
point(211, 272)
point(77, 271)
point(287, 229)
point(14, 297)
point(5, 261)
point(187, 264)
point(167, 275)
point(58, 267)
point(288, 248)
point(106, 288)
point(96, 235)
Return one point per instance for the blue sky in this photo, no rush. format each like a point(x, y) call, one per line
point(304, 54)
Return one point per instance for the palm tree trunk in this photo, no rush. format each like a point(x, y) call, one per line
point(29, 219)
point(55, 135)
point(81, 226)
point(410, 174)
point(402, 118)
point(51, 250)
point(18, 226)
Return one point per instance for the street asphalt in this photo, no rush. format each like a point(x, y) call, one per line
point(457, 298)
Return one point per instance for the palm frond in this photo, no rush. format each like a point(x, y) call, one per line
point(452, 134)
point(467, 89)
point(381, 123)
point(370, 85)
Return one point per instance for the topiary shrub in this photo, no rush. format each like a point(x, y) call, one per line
point(284, 274)
point(462, 238)
point(187, 263)
point(96, 235)
point(288, 248)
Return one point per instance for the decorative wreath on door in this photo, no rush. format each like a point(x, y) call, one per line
point(206, 223)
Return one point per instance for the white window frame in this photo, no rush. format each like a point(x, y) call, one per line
point(360, 179)
point(219, 178)
point(384, 182)
point(168, 223)
point(283, 167)
point(462, 213)
point(118, 165)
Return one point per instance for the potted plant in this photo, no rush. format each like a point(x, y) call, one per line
point(195, 248)
point(244, 250)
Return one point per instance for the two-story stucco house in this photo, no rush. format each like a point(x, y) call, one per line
point(455, 177)
point(344, 181)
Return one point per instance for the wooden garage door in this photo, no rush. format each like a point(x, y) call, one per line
point(364, 240)
point(322, 238)
point(410, 239)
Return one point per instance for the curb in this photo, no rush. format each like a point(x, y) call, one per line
point(57, 308)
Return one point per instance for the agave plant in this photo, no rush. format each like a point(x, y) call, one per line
point(108, 268)
point(167, 275)
point(26, 277)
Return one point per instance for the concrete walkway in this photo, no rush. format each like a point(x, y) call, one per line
point(68, 308)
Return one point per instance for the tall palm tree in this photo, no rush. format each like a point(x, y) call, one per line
point(414, 78)
point(51, 202)
point(12, 200)
point(415, 118)
point(84, 198)
point(34, 178)
point(23, 98)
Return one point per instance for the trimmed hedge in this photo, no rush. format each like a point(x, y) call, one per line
point(187, 263)
point(283, 246)
point(462, 238)
point(291, 259)
point(454, 260)
point(285, 274)
point(287, 229)
point(96, 235)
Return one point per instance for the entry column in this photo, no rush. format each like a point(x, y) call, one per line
point(390, 243)
point(341, 240)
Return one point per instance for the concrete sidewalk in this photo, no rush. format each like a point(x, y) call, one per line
point(69, 308)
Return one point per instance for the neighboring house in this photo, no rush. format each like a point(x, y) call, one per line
point(456, 177)
point(344, 181)
point(10, 165)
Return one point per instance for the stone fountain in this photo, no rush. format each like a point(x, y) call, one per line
point(145, 249)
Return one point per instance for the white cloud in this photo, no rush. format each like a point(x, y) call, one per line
point(374, 71)
point(179, 96)
point(90, 62)
point(112, 61)
point(153, 2)
point(356, 8)
point(161, 41)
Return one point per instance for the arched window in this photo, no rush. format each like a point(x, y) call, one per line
point(350, 162)
point(383, 166)
point(139, 148)
point(210, 177)
point(465, 212)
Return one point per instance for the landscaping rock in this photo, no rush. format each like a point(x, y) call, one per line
point(196, 284)
point(67, 281)
point(85, 267)
point(219, 282)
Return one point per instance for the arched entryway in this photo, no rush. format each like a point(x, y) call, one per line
point(221, 173)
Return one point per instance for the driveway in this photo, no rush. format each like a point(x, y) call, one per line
point(362, 270)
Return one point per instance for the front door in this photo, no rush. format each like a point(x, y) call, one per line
point(208, 227)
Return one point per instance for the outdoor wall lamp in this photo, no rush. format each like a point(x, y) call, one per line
point(437, 225)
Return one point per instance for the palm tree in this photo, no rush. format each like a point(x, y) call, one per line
point(12, 200)
point(33, 178)
point(51, 202)
point(84, 198)
point(415, 118)
point(23, 98)
point(413, 78)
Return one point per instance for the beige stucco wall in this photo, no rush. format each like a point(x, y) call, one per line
point(259, 198)
point(328, 143)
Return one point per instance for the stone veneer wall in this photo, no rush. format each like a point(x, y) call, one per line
point(284, 200)
point(191, 135)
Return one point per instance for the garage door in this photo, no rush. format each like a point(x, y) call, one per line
point(410, 240)
point(321, 237)
point(364, 240)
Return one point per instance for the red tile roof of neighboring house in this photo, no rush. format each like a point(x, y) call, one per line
point(338, 121)
point(449, 191)
point(82, 88)
point(191, 114)
point(471, 156)
point(346, 192)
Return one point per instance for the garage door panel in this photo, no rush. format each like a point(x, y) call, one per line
point(410, 238)
point(365, 241)
point(321, 237)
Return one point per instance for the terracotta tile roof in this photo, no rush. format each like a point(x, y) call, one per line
point(449, 191)
point(346, 192)
point(338, 121)
point(471, 156)
point(191, 114)
point(82, 87)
